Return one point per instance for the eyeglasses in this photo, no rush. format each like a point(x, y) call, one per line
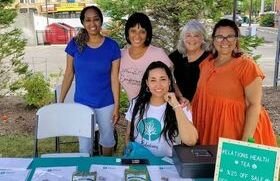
point(229, 38)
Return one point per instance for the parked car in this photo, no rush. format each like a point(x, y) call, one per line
point(238, 19)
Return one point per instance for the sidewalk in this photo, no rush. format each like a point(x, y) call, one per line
point(273, 30)
point(268, 29)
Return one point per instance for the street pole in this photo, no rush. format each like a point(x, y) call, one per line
point(250, 12)
point(262, 7)
point(277, 59)
point(47, 12)
point(234, 10)
point(250, 17)
point(28, 6)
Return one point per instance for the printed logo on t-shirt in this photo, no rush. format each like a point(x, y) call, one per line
point(131, 76)
point(149, 129)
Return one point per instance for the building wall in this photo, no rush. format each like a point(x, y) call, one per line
point(25, 22)
point(53, 6)
point(32, 17)
point(277, 6)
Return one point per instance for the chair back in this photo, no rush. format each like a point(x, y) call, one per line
point(64, 119)
point(69, 98)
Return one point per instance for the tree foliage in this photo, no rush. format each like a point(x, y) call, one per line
point(249, 43)
point(167, 16)
point(119, 11)
point(12, 48)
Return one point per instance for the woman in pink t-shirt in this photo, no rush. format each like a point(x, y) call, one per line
point(139, 54)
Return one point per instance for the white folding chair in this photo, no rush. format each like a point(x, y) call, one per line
point(69, 98)
point(68, 119)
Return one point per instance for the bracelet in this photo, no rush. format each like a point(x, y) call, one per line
point(178, 105)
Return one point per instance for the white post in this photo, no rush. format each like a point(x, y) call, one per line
point(277, 58)
point(262, 7)
point(47, 11)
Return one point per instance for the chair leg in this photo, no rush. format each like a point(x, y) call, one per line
point(116, 138)
point(57, 144)
point(96, 143)
point(36, 148)
point(100, 150)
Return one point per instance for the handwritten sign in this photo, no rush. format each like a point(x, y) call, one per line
point(237, 160)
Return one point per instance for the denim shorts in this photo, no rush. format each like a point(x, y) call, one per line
point(103, 117)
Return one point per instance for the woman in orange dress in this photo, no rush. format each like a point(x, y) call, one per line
point(227, 102)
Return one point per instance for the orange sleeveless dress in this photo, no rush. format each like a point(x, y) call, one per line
point(219, 106)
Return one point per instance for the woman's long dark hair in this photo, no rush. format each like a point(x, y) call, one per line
point(82, 37)
point(170, 127)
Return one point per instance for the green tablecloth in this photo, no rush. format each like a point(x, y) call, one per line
point(84, 163)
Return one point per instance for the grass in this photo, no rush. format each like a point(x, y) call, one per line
point(23, 145)
point(16, 146)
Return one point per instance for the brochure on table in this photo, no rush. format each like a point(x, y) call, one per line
point(54, 173)
point(109, 172)
point(165, 172)
point(15, 163)
point(14, 174)
point(238, 160)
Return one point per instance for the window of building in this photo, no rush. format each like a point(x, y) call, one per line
point(23, 10)
point(33, 10)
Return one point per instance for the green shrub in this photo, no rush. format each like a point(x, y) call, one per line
point(267, 20)
point(124, 103)
point(249, 43)
point(38, 92)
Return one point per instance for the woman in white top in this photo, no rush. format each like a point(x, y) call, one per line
point(155, 117)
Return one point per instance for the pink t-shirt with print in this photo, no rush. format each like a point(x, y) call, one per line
point(132, 70)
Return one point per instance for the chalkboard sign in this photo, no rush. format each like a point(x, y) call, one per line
point(238, 160)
